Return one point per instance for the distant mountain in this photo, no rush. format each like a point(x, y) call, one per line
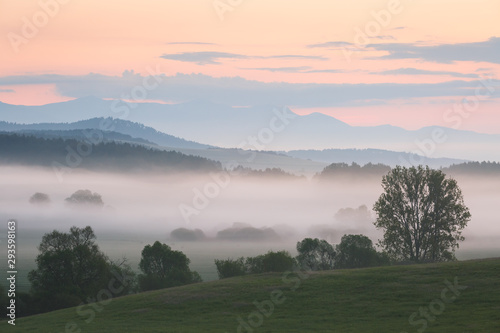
point(264, 128)
point(130, 129)
point(365, 156)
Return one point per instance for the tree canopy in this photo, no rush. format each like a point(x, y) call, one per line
point(85, 198)
point(71, 269)
point(315, 254)
point(356, 251)
point(422, 213)
point(39, 199)
point(163, 267)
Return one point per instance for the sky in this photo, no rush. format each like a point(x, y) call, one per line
point(406, 63)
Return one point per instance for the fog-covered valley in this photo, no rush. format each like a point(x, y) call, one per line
point(274, 213)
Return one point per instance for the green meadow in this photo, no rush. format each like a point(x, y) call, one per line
point(461, 296)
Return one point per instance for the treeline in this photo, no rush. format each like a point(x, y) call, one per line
point(274, 173)
point(71, 270)
point(343, 170)
point(80, 135)
point(354, 251)
point(112, 156)
point(354, 170)
point(484, 168)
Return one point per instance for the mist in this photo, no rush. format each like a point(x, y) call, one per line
point(142, 208)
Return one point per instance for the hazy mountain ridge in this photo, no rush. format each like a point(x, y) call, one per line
point(226, 126)
point(364, 156)
point(131, 129)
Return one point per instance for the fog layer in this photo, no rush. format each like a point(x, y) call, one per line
point(139, 209)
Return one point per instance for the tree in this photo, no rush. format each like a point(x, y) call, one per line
point(39, 199)
point(315, 254)
point(71, 269)
point(85, 198)
point(422, 213)
point(163, 267)
point(279, 261)
point(230, 267)
point(356, 251)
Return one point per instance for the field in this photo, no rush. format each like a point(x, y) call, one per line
point(453, 297)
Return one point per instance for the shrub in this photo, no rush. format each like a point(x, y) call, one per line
point(230, 267)
point(280, 261)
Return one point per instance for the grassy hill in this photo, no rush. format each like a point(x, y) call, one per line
point(364, 300)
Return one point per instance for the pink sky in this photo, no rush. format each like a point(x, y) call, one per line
point(109, 37)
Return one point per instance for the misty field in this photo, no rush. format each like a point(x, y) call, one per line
point(140, 209)
point(362, 300)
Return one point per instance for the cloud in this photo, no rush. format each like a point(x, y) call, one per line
point(293, 56)
point(485, 51)
point(335, 44)
point(203, 58)
point(415, 71)
point(484, 69)
point(343, 44)
point(384, 37)
point(190, 43)
point(326, 71)
point(212, 58)
point(239, 91)
point(299, 69)
point(7, 90)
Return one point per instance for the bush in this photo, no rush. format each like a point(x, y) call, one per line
point(280, 261)
point(230, 267)
point(248, 234)
point(356, 251)
point(186, 235)
point(85, 198)
point(163, 267)
point(39, 199)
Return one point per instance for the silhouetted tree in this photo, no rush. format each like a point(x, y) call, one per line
point(356, 251)
point(422, 213)
point(163, 267)
point(39, 199)
point(85, 198)
point(71, 269)
point(279, 261)
point(315, 254)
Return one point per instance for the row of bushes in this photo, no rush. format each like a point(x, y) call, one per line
point(354, 251)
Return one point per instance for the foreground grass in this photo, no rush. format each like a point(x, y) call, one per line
point(364, 300)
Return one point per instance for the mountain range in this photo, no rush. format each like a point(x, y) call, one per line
point(202, 124)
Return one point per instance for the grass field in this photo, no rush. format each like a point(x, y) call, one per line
point(383, 299)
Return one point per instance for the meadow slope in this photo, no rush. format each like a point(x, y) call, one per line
point(378, 300)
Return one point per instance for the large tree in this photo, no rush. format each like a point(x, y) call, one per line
point(163, 267)
point(71, 269)
point(422, 213)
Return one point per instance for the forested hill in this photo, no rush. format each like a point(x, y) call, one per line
point(135, 130)
point(483, 168)
point(29, 150)
point(348, 172)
